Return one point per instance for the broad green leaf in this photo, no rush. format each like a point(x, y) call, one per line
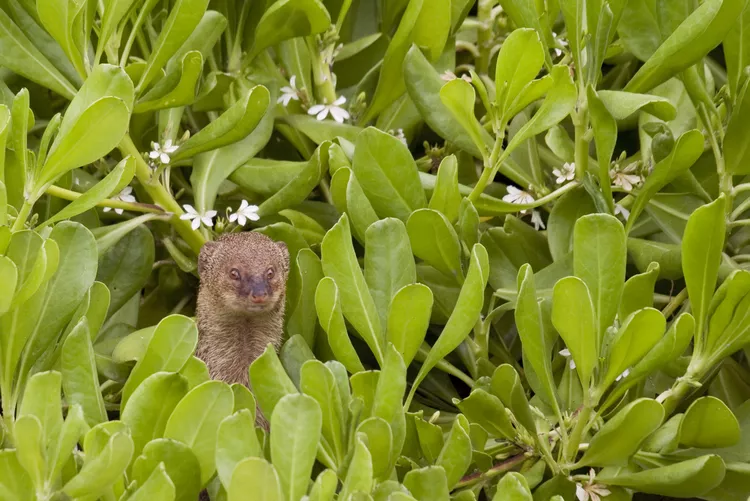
point(359, 473)
point(520, 58)
point(735, 46)
point(183, 19)
point(684, 479)
point(295, 432)
point(708, 423)
point(486, 410)
point(158, 487)
point(195, 422)
point(114, 12)
point(573, 317)
point(340, 264)
point(231, 126)
point(459, 97)
point(566, 211)
point(21, 56)
point(269, 381)
point(638, 292)
point(735, 143)
point(328, 307)
point(30, 448)
point(513, 487)
point(42, 400)
point(287, 19)
point(695, 37)
point(455, 457)
point(446, 197)
point(605, 136)
point(433, 27)
point(195, 372)
point(701, 255)
point(151, 405)
point(99, 472)
point(464, 316)
point(302, 317)
point(349, 198)
point(622, 105)
point(388, 400)
point(409, 319)
point(622, 436)
point(8, 279)
point(176, 89)
point(666, 255)
point(318, 382)
point(387, 174)
point(58, 18)
point(256, 476)
point(506, 385)
point(380, 444)
point(171, 345)
point(14, 481)
point(389, 264)
point(80, 379)
point(434, 240)
point(236, 440)
point(427, 484)
point(430, 437)
point(638, 334)
point(59, 452)
point(179, 461)
point(599, 255)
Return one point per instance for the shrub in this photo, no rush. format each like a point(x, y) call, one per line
point(528, 281)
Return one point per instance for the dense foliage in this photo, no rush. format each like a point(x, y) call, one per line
point(518, 231)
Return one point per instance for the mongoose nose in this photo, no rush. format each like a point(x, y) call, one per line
point(258, 298)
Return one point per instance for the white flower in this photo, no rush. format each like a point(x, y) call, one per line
point(125, 196)
point(399, 133)
point(566, 353)
point(289, 92)
point(590, 490)
point(245, 212)
point(162, 152)
point(337, 112)
point(623, 375)
point(536, 220)
point(625, 178)
point(517, 196)
point(191, 214)
point(566, 173)
point(619, 209)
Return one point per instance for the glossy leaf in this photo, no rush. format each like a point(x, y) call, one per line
point(328, 306)
point(708, 423)
point(573, 317)
point(434, 240)
point(258, 476)
point(408, 319)
point(80, 380)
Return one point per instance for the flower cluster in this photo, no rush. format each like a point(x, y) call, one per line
point(244, 213)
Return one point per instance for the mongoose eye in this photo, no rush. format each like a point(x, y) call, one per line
point(234, 273)
point(270, 273)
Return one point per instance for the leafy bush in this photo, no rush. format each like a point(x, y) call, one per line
point(526, 282)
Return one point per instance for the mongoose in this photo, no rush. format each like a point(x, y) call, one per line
point(240, 303)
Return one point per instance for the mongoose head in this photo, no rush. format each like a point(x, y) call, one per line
point(244, 273)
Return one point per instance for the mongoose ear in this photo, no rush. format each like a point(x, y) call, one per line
point(204, 258)
point(285, 254)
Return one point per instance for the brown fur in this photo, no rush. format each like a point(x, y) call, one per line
point(234, 331)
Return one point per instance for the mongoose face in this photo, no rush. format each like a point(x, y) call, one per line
point(244, 273)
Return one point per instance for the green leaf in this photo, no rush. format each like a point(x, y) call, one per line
point(30, 448)
point(638, 291)
point(295, 432)
point(80, 379)
point(183, 19)
point(446, 197)
point(176, 89)
point(387, 174)
point(409, 319)
point(269, 380)
point(150, 407)
point(195, 372)
point(708, 423)
point(380, 444)
point(21, 56)
point(506, 385)
point(688, 478)
point(430, 438)
point(695, 37)
point(687, 149)
point(340, 264)
point(100, 471)
point(605, 137)
point(702, 245)
point(735, 143)
point(433, 27)
point(171, 345)
point(258, 476)
point(287, 19)
point(464, 316)
point(179, 461)
point(195, 422)
point(520, 58)
point(486, 410)
point(236, 440)
point(60, 450)
point(58, 18)
point(14, 481)
point(573, 317)
point(434, 240)
point(388, 400)
point(622, 105)
point(389, 264)
point(158, 487)
point(42, 400)
point(459, 97)
point(318, 382)
point(302, 318)
point(513, 487)
point(359, 473)
point(599, 254)
point(622, 436)
point(8, 279)
point(324, 487)
point(427, 484)
point(348, 198)
point(114, 12)
point(328, 307)
point(455, 457)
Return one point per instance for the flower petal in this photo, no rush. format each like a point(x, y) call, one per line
point(153, 154)
point(164, 158)
point(314, 110)
point(196, 223)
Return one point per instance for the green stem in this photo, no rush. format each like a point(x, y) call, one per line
point(581, 121)
point(496, 470)
point(58, 192)
point(161, 196)
point(484, 35)
point(582, 419)
point(325, 92)
point(23, 215)
point(491, 166)
point(675, 303)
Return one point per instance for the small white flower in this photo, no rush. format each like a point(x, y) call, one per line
point(590, 490)
point(566, 353)
point(399, 133)
point(125, 196)
point(566, 173)
point(536, 220)
point(245, 212)
point(517, 196)
point(193, 215)
point(162, 152)
point(623, 375)
point(289, 92)
point(625, 178)
point(619, 209)
point(337, 112)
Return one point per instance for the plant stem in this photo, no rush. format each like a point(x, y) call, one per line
point(58, 192)
point(161, 196)
point(675, 303)
point(324, 90)
point(484, 35)
point(582, 419)
point(23, 215)
point(496, 470)
point(491, 166)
